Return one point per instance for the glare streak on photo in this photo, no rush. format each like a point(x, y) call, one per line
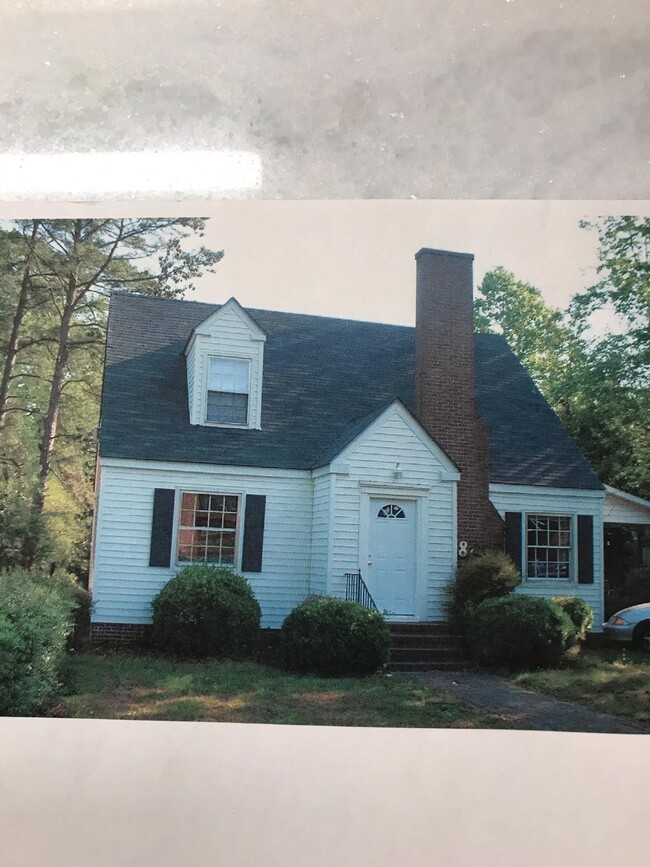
point(128, 175)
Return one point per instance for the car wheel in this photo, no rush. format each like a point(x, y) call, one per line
point(641, 638)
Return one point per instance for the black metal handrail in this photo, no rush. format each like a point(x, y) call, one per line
point(357, 591)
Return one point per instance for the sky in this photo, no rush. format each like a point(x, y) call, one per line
point(355, 259)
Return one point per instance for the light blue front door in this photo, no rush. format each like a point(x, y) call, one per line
point(391, 557)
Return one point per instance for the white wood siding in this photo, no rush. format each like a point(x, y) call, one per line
point(124, 583)
point(230, 336)
point(321, 538)
point(191, 397)
point(371, 462)
point(557, 501)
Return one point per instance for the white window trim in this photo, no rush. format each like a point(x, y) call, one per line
point(249, 360)
point(197, 489)
point(573, 553)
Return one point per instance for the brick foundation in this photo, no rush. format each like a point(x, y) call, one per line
point(268, 651)
point(119, 633)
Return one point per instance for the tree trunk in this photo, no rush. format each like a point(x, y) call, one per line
point(33, 532)
point(56, 389)
point(12, 348)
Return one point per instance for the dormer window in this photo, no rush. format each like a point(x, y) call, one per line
point(228, 391)
point(225, 369)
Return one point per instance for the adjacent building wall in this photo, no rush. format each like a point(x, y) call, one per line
point(625, 509)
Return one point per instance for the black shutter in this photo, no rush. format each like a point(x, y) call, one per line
point(513, 538)
point(585, 549)
point(253, 533)
point(162, 527)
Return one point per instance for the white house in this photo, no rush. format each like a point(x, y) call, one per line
point(299, 449)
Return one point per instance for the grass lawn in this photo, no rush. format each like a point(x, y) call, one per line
point(609, 680)
point(121, 686)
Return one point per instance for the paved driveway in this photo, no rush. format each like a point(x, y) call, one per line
point(528, 709)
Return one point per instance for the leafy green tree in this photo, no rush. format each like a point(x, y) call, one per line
point(594, 382)
point(613, 424)
point(88, 258)
point(539, 335)
point(55, 338)
point(17, 278)
point(18, 475)
point(623, 287)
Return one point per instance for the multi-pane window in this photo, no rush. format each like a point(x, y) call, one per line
point(228, 383)
point(548, 546)
point(208, 528)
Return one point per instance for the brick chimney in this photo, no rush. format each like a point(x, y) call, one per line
point(445, 387)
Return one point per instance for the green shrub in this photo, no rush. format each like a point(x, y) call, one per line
point(519, 632)
point(206, 611)
point(334, 637)
point(12, 651)
point(73, 590)
point(635, 589)
point(79, 594)
point(487, 575)
point(580, 614)
point(37, 619)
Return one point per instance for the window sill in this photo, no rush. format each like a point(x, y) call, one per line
point(538, 581)
point(226, 425)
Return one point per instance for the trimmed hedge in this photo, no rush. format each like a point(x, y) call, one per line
point(488, 575)
point(580, 614)
point(520, 632)
point(332, 637)
point(36, 620)
point(206, 611)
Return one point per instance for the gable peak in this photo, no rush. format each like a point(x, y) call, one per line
point(232, 305)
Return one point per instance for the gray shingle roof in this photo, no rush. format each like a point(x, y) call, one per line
point(325, 379)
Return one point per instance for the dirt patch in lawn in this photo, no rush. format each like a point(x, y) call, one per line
point(121, 686)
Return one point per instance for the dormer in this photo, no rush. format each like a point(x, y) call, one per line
point(225, 360)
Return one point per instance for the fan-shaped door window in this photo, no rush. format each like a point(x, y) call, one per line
point(391, 511)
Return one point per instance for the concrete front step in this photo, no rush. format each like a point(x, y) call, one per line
point(425, 654)
point(429, 626)
point(426, 647)
point(414, 639)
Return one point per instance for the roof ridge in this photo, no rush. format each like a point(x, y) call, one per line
point(136, 296)
point(125, 293)
point(140, 296)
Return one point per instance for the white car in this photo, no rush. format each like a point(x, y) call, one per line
point(631, 625)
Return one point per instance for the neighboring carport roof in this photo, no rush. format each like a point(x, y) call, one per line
point(325, 379)
point(624, 508)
